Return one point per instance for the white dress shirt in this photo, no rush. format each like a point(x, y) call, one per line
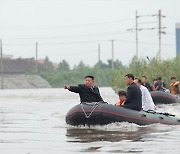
point(147, 102)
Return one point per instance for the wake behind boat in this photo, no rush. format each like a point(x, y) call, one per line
point(102, 113)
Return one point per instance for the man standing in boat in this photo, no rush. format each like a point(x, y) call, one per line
point(134, 97)
point(87, 91)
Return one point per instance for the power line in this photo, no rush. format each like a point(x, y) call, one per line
point(64, 36)
point(172, 18)
point(143, 23)
point(55, 43)
point(159, 15)
point(70, 26)
point(143, 42)
point(80, 42)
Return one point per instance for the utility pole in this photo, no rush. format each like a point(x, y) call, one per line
point(99, 52)
point(112, 54)
point(159, 15)
point(36, 57)
point(136, 29)
point(160, 32)
point(136, 35)
point(1, 69)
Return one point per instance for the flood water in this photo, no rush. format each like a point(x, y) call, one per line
point(32, 121)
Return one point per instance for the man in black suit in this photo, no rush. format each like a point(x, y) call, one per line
point(134, 96)
point(87, 91)
point(145, 83)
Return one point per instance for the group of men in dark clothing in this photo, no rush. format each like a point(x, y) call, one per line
point(159, 85)
point(90, 93)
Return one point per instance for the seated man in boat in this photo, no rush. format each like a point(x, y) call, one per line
point(87, 91)
point(147, 102)
point(160, 85)
point(122, 98)
point(134, 97)
point(146, 83)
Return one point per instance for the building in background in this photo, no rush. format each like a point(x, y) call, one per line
point(7, 56)
point(177, 39)
point(20, 65)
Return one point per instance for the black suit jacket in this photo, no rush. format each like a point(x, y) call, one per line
point(133, 98)
point(87, 94)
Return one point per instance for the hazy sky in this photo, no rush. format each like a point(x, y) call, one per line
point(72, 29)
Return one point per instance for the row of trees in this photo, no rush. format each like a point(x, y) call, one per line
point(64, 65)
point(105, 76)
point(64, 75)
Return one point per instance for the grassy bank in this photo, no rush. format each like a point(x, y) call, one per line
point(106, 77)
point(152, 69)
point(60, 78)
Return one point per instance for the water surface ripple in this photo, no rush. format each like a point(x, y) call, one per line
point(32, 121)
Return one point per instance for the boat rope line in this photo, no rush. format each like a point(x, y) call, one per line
point(96, 104)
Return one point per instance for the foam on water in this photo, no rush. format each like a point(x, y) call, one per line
point(123, 126)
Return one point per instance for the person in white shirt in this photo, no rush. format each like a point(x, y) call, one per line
point(147, 102)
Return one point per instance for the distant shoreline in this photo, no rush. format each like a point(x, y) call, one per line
point(21, 81)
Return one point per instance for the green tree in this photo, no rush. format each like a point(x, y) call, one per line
point(81, 66)
point(48, 64)
point(152, 69)
point(101, 65)
point(63, 66)
point(118, 65)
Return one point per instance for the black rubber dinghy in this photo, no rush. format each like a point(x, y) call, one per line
point(102, 114)
point(160, 97)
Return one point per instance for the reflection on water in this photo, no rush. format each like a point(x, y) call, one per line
point(116, 135)
point(126, 132)
point(93, 135)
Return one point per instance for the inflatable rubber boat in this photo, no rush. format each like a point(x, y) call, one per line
point(160, 97)
point(103, 113)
